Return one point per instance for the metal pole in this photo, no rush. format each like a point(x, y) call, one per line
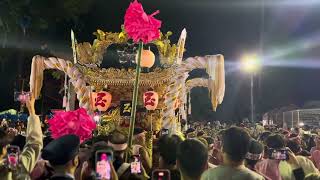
point(283, 119)
point(151, 124)
point(292, 119)
point(251, 95)
point(135, 97)
point(298, 116)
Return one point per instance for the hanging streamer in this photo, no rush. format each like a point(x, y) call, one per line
point(183, 111)
point(189, 103)
point(69, 96)
point(216, 81)
point(76, 78)
point(36, 76)
point(211, 71)
point(64, 103)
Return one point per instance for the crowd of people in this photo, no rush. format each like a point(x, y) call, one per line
point(203, 151)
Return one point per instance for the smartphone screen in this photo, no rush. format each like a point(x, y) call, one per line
point(103, 166)
point(278, 154)
point(13, 156)
point(135, 165)
point(161, 174)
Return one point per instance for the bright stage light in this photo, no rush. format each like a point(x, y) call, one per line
point(301, 124)
point(250, 63)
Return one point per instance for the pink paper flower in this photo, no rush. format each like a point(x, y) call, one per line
point(140, 26)
point(76, 122)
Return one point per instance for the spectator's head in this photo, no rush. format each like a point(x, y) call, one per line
point(19, 141)
point(190, 130)
point(210, 141)
point(220, 133)
point(294, 146)
point(263, 137)
point(311, 142)
point(297, 130)
point(190, 133)
point(306, 138)
point(4, 141)
point(167, 146)
point(275, 141)
point(118, 142)
point(295, 137)
point(255, 153)
point(306, 128)
point(139, 135)
point(284, 132)
point(62, 153)
point(11, 133)
point(192, 158)
point(200, 133)
point(235, 144)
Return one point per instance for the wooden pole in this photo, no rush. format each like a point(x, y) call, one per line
point(135, 97)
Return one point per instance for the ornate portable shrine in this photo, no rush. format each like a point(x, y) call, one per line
point(168, 80)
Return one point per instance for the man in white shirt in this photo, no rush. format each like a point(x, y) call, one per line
point(31, 150)
point(235, 146)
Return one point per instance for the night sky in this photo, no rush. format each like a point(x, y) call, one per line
point(286, 33)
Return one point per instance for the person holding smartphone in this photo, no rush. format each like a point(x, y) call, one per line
point(278, 164)
point(31, 151)
point(124, 170)
point(139, 148)
point(100, 164)
point(235, 144)
point(254, 155)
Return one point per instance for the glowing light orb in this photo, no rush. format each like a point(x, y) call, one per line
point(250, 63)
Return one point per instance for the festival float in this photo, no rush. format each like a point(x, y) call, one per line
point(123, 98)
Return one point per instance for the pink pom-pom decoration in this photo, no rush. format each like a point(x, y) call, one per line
point(76, 122)
point(140, 26)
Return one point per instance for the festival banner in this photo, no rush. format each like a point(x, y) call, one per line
point(125, 108)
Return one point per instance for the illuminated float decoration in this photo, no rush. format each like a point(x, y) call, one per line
point(147, 58)
point(168, 78)
point(102, 101)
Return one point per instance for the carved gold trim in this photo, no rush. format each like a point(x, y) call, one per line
point(111, 122)
point(125, 77)
point(92, 54)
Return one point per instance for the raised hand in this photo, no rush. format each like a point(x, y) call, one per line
point(30, 105)
point(292, 160)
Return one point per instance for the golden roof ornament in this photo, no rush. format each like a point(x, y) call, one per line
point(91, 55)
